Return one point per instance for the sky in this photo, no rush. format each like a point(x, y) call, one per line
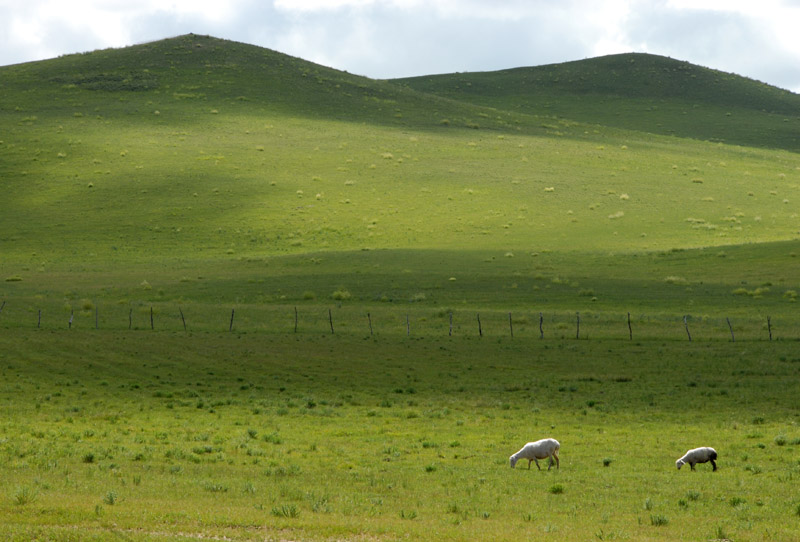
point(384, 39)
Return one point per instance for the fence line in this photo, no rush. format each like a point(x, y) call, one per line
point(604, 323)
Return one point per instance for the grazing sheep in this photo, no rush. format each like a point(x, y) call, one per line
point(541, 449)
point(698, 455)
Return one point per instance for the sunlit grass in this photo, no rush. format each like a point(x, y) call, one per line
point(244, 297)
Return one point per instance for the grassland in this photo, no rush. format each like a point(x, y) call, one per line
point(229, 278)
point(255, 437)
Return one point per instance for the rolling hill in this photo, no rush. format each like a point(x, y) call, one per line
point(194, 156)
point(636, 91)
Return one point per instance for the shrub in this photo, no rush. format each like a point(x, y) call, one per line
point(341, 295)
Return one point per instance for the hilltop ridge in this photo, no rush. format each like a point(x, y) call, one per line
point(637, 91)
point(213, 71)
point(633, 91)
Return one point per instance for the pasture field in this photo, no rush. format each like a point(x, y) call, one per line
point(141, 435)
point(247, 297)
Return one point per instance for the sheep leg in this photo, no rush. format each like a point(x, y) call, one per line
point(550, 463)
point(537, 463)
point(713, 464)
point(557, 463)
point(691, 465)
point(529, 464)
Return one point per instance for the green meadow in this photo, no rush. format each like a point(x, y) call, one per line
point(247, 297)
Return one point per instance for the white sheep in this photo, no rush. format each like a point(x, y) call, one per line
point(698, 455)
point(541, 449)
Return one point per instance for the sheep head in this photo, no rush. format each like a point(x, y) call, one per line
point(513, 460)
point(679, 463)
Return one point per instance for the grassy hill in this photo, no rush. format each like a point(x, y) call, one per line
point(194, 156)
point(636, 91)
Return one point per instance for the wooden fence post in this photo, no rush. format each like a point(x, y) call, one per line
point(152, 324)
point(39, 322)
point(510, 325)
point(330, 319)
point(182, 318)
point(1, 306)
point(369, 318)
point(686, 325)
point(451, 324)
point(96, 317)
point(630, 329)
point(295, 319)
point(230, 328)
point(541, 330)
point(71, 316)
point(578, 325)
point(733, 339)
point(480, 329)
point(769, 327)
point(130, 319)
point(408, 327)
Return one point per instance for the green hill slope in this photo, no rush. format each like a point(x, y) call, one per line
point(636, 91)
point(195, 72)
point(203, 156)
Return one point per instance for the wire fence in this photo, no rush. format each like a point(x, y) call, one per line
point(413, 321)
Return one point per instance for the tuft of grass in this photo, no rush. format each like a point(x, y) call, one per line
point(24, 495)
point(286, 511)
point(737, 501)
point(658, 520)
point(110, 498)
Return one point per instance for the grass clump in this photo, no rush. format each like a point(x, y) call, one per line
point(658, 520)
point(24, 495)
point(286, 511)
